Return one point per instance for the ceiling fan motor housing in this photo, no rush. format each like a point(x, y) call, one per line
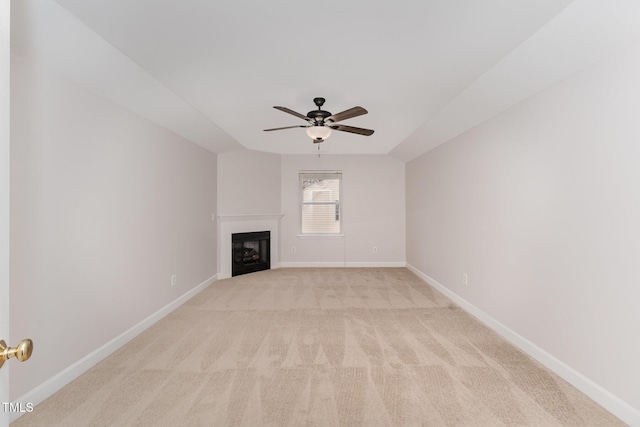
point(318, 116)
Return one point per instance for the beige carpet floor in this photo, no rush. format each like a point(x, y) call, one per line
point(319, 347)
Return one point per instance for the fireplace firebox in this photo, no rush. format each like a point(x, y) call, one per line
point(250, 252)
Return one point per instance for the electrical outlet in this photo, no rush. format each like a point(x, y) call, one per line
point(465, 279)
point(174, 280)
point(293, 249)
point(375, 249)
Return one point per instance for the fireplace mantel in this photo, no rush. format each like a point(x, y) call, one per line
point(245, 223)
point(249, 217)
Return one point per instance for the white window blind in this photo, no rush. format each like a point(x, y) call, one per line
point(320, 203)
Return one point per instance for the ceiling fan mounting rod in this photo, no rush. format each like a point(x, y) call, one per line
point(317, 116)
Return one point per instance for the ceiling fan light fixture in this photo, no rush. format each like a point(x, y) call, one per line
point(319, 132)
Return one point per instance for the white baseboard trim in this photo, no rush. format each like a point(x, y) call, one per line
point(55, 383)
point(603, 397)
point(340, 264)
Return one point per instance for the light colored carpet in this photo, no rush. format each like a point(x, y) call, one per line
point(319, 347)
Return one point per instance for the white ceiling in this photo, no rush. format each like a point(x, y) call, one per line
point(427, 70)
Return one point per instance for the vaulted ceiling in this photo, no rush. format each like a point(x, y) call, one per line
point(426, 70)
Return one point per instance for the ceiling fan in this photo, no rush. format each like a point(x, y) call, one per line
point(321, 122)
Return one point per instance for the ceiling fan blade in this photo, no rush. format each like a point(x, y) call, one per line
point(287, 110)
point(351, 129)
point(346, 114)
point(286, 127)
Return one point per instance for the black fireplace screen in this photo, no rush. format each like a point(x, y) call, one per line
point(250, 252)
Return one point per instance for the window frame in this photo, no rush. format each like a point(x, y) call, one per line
point(302, 203)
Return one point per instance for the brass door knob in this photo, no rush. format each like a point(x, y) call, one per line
point(22, 352)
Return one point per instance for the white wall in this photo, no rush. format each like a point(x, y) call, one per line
point(105, 207)
point(373, 212)
point(4, 196)
point(248, 183)
point(540, 206)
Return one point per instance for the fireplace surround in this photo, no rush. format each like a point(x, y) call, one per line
point(229, 224)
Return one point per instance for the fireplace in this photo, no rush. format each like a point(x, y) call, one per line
point(250, 252)
point(241, 223)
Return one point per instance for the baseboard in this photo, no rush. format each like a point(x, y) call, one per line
point(340, 264)
point(389, 264)
point(603, 397)
point(69, 374)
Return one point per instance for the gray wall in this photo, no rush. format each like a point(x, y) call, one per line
point(540, 207)
point(248, 183)
point(373, 212)
point(105, 207)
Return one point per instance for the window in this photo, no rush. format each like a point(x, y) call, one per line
point(320, 203)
